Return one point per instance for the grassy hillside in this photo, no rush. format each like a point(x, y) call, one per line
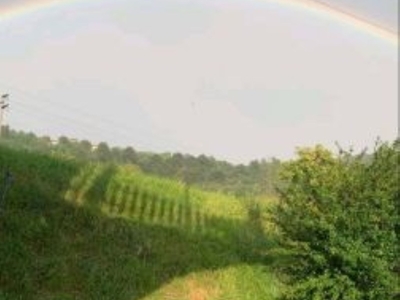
point(71, 230)
point(256, 178)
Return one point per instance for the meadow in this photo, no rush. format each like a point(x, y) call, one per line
point(76, 230)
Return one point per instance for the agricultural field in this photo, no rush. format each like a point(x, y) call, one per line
point(75, 230)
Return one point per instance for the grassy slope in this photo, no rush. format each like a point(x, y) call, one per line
point(75, 231)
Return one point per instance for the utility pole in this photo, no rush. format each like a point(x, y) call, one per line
point(3, 105)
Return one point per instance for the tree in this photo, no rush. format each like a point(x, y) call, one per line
point(339, 215)
point(84, 150)
point(116, 155)
point(103, 152)
point(63, 141)
point(63, 147)
point(129, 155)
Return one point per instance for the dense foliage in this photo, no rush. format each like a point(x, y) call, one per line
point(340, 215)
point(256, 178)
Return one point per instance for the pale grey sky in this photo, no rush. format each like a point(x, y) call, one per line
point(245, 80)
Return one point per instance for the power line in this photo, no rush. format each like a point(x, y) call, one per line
point(39, 117)
point(77, 118)
point(22, 94)
point(80, 125)
point(82, 119)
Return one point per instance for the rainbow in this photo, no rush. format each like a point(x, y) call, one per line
point(344, 17)
point(313, 6)
point(25, 8)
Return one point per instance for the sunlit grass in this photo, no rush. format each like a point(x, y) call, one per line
point(88, 231)
point(131, 194)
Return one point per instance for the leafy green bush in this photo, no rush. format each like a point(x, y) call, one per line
point(339, 214)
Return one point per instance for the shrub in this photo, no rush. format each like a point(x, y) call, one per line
point(339, 214)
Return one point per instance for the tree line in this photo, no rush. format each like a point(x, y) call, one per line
point(258, 177)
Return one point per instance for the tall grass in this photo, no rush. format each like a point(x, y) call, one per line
point(72, 230)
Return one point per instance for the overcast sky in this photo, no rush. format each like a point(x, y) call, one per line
point(240, 81)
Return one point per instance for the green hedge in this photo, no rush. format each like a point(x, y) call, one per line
point(340, 216)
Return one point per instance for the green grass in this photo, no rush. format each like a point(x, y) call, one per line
point(70, 230)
